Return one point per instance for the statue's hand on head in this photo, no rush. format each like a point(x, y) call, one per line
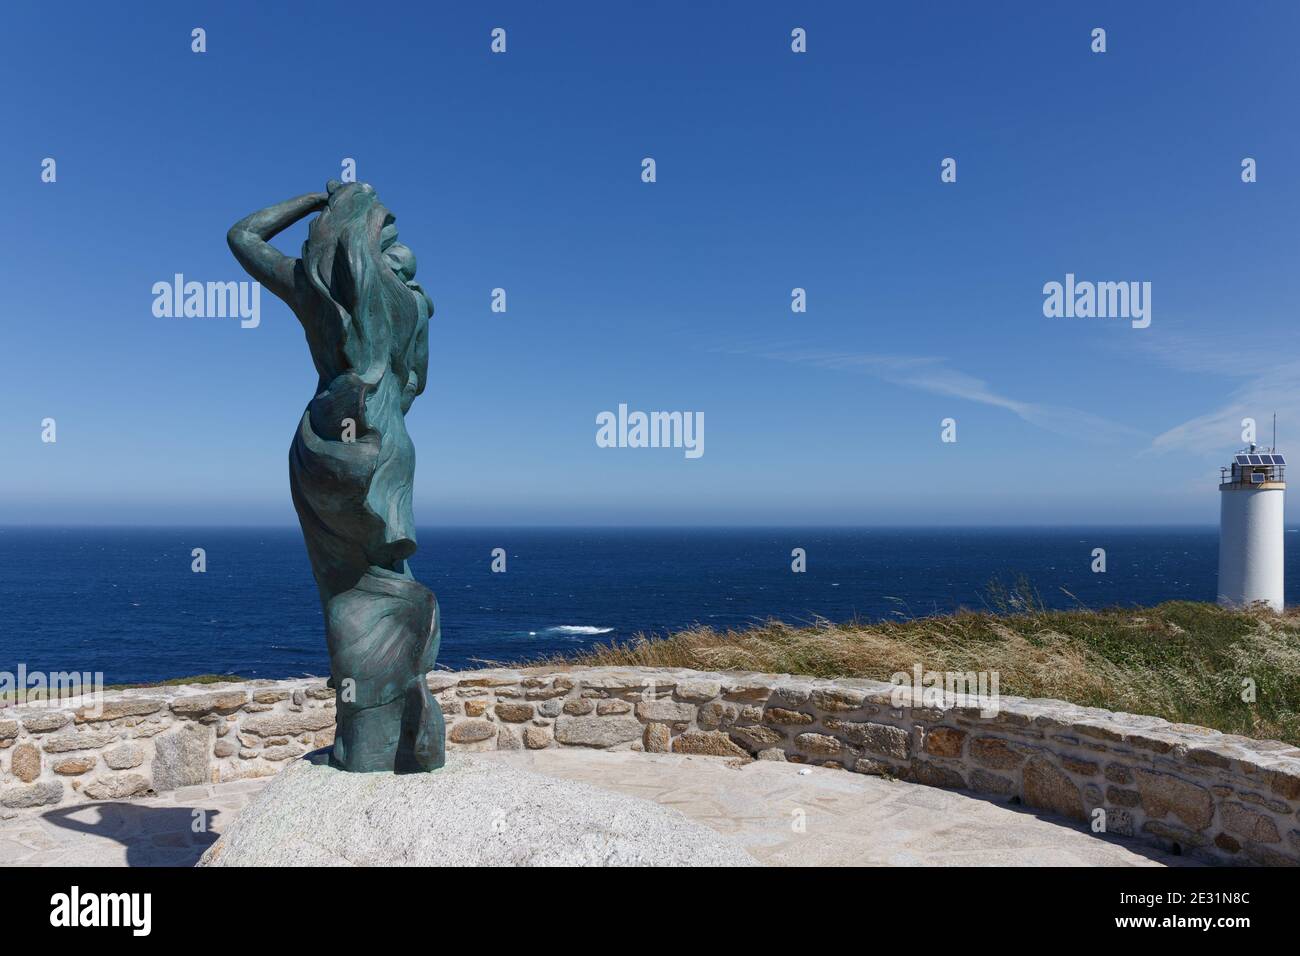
point(249, 240)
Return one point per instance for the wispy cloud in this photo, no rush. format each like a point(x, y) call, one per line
point(1267, 381)
point(1269, 390)
point(933, 374)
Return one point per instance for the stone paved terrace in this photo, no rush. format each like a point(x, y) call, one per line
point(781, 813)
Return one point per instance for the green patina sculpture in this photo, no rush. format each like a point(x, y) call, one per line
point(352, 464)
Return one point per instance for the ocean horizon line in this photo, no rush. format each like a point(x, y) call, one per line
point(812, 526)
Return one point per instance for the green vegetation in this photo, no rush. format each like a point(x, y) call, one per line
point(1184, 661)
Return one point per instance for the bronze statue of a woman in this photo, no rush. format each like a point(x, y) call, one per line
point(352, 463)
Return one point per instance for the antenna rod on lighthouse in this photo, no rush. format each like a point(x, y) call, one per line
point(1275, 431)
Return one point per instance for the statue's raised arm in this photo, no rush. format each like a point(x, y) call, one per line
point(249, 240)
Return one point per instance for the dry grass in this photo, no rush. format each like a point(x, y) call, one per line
point(1183, 661)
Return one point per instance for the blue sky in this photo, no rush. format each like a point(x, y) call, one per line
point(775, 170)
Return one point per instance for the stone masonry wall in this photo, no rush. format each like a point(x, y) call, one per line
point(1226, 797)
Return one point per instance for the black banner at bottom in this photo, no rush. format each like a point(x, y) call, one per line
point(173, 905)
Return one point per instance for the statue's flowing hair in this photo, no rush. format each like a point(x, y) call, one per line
point(368, 315)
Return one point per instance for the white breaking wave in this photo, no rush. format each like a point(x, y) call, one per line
point(577, 629)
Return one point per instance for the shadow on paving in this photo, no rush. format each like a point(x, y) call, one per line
point(1131, 844)
point(1166, 857)
point(151, 836)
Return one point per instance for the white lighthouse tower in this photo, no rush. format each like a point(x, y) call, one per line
point(1251, 491)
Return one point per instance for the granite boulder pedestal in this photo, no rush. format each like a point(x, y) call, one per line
point(474, 812)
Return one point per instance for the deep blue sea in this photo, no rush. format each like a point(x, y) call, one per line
point(126, 603)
